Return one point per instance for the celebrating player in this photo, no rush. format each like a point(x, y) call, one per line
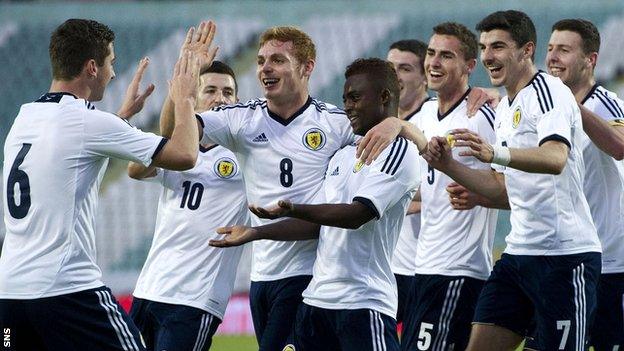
point(185, 285)
point(351, 301)
point(51, 293)
point(550, 267)
point(454, 253)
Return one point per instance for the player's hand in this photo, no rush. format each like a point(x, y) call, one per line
point(134, 101)
point(479, 97)
point(475, 145)
point(438, 153)
point(461, 198)
point(200, 43)
point(234, 236)
point(185, 80)
point(283, 209)
point(377, 139)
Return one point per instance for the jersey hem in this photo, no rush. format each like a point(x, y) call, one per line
point(453, 273)
point(547, 252)
point(352, 306)
point(268, 278)
point(30, 296)
point(175, 301)
point(400, 271)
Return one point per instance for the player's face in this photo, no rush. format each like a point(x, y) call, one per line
point(445, 65)
point(280, 74)
point(501, 57)
point(215, 89)
point(565, 58)
point(362, 103)
point(411, 77)
point(105, 74)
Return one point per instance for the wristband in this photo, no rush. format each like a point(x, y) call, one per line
point(502, 156)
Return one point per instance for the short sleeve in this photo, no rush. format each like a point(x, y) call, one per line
point(609, 107)
point(557, 115)
point(483, 124)
point(110, 136)
point(220, 126)
point(395, 173)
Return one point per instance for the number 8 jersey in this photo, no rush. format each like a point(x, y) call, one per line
point(280, 159)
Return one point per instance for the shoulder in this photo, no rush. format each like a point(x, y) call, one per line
point(550, 92)
point(486, 114)
point(324, 107)
point(398, 155)
point(605, 103)
point(242, 106)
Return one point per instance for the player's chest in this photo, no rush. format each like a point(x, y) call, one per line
point(516, 127)
point(344, 178)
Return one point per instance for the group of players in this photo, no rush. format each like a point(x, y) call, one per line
point(347, 177)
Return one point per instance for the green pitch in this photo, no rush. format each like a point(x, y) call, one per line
point(231, 343)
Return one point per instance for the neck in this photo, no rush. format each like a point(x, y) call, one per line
point(447, 99)
point(287, 107)
point(405, 111)
point(525, 74)
point(582, 88)
point(74, 86)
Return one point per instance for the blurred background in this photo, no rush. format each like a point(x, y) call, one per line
point(342, 31)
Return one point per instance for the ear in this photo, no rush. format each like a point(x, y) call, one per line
point(528, 50)
point(470, 65)
point(90, 68)
point(384, 97)
point(308, 67)
point(592, 59)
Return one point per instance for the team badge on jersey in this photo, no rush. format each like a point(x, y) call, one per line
point(314, 139)
point(517, 116)
point(358, 166)
point(225, 167)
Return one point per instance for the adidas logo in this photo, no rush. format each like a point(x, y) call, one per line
point(335, 172)
point(260, 139)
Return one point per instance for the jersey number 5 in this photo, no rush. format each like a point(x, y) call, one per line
point(20, 177)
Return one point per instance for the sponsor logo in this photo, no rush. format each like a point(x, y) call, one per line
point(260, 139)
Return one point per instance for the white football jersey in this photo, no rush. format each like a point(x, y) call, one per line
point(405, 251)
point(280, 160)
point(452, 242)
point(549, 213)
point(181, 268)
point(54, 158)
point(352, 268)
point(604, 182)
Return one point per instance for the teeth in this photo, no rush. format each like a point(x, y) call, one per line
point(269, 81)
point(435, 74)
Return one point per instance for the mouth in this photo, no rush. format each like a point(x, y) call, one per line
point(493, 70)
point(435, 74)
point(270, 82)
point(556, 70)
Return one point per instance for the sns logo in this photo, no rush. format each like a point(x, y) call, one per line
point(314, 139)
point(7, 337)
point(225, 167)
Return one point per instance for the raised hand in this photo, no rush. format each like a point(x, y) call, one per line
point(134, 101)
point(199, 42)
point(377, 139)
point(475, 145)
point(234, 236)
point(283, 209)
point(185, 80)
point(479, 97)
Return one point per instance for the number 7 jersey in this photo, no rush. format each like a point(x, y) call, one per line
point(280, 159)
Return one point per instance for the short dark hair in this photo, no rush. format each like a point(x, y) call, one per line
point(517, 23)
point(468, 40)
point(222, 68)
point(380, 72)
point(587, 30)
point(76, 41)
point(414, 46)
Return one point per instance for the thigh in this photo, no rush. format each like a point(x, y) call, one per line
point(147, 325)
point(283, 300)
point(405, 285)
point(313, 330)
point(443, 310)
point(259, 307)
point(87, 320)
point(366, 330)
point(607, 332)
point(183, 328)
point(565, 299)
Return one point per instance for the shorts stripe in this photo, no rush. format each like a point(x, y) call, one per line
point(202, 333)
point(448, 308)
point(381, 331)
point(121, 328)
point(580, 305)
point(377, 334)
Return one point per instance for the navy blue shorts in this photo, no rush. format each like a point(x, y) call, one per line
point(274, 307)
point(556, 295)
point(607, 332)
point(173, 327)
point(404, 288)
point(345, 330)
point(86, 320)
point(440, 313)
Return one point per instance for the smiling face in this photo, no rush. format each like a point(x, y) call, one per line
point(280, 74)
point(445, 66)
point(502, 58)
point(409, 70)
point(362, 103)
point(565, 58)
point(105, 74)
point(215, 89)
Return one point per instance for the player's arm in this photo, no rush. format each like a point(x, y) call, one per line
point(414, 205)
point(479, 97)
point(463, 199)
point(548, 158)
point(487, 183)
point(607, 137)
point(349, 216)
point(138, 171)
point(380, 136)
point(286, 230)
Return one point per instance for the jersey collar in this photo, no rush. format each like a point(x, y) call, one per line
point(590, 93)
point(287, 121)
point(417, 110)
point(54, 96)
point(441, 117)
point(206, 149)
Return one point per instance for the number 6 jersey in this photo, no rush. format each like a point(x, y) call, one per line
point(280, 159)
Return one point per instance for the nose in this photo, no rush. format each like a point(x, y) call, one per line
point(220, 98)
point(486, 56)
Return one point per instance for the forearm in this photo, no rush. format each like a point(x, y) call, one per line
point(167, 121)
point(500, 202)
point(290, 229)
point(349, 216)
point(546, 159)
point(180, 153)
point(487, 183)
point(606, 137)
point(413, 134)
point(414, 207)
point(138, 171)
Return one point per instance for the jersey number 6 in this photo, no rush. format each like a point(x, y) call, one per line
point(20, 177)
